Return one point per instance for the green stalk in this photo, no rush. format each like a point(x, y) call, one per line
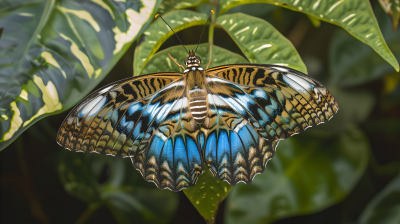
point(211, 33)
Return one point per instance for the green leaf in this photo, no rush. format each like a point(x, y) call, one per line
point(355, 16)
point(125, 193)
point(385, 207)
point(169, 5)
point(260, 42)
point(158, 32)
point(353, 63)
point(161, 62)
point(207, 194)
point(306, 175)
point(53, 53)
point(392, 8)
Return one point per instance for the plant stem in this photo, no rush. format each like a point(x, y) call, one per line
point(88, 212)
point(211, 32)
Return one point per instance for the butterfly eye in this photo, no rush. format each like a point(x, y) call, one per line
point(198, 58)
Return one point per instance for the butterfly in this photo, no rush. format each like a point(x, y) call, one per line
point(229, 118)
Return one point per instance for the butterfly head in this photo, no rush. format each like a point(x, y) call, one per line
point(192, 60)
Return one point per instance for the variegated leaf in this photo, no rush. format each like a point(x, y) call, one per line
point(54, 52)
point(169, 5)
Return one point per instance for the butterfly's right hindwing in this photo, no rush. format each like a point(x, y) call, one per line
point(173, 158)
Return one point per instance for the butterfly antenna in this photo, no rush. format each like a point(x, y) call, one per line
point(172, 31)
point(209, 16)
point(1, 31)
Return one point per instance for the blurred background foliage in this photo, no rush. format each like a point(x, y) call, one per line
point(344, 171)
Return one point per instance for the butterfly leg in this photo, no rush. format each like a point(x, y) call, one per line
point(176, 62)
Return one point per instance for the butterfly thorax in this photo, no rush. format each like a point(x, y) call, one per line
point(196, 92)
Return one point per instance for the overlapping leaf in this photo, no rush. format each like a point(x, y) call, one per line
point(355, 16)
point(158, 32)
point(353, 63)
point(53, 53)
point(169, 5)
point(385, 207)
point(306, 175)
point(260, 42)
point(126, 194)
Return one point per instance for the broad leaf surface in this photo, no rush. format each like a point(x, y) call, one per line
point(355, 16)
point(158, 32)
point(161, 62)
point(353, 63)
point(127, 195)
point(260, 42)
point(207, 194)
point(169, 5)
point(53, 53)
point(306, 175)
point(385, 207)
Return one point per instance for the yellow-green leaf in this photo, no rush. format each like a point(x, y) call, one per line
point(260, 42)
point(355, 16)
point(53, 53)
point(353, 63)
point(207, 194)
point(158, 32)
point(169, 5)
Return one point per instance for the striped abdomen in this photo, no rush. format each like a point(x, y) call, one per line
point(198, 104)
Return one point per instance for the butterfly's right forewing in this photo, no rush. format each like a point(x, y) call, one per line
point(97, 123)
